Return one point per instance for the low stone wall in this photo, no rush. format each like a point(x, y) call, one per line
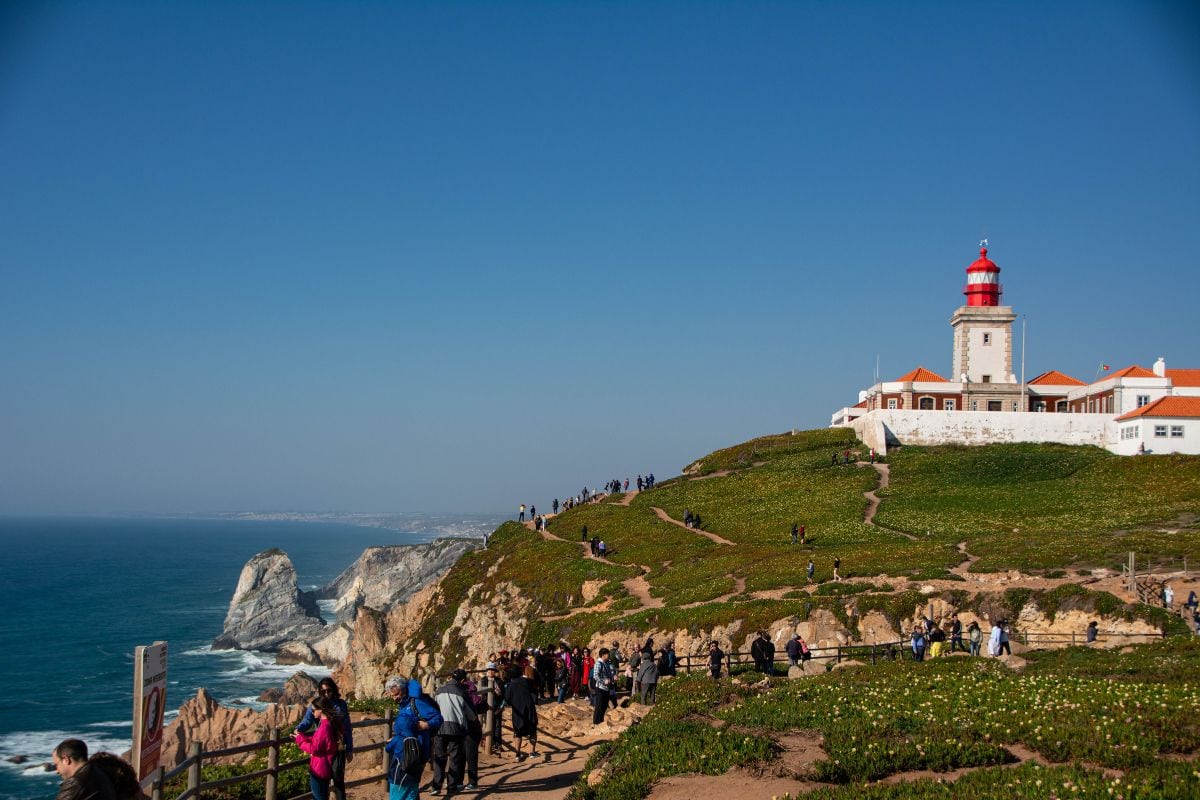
point(884, 427)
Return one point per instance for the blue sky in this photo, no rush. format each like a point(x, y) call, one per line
point(456, 256)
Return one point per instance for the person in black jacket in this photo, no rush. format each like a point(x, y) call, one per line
point(763, 653)
point(81, 780)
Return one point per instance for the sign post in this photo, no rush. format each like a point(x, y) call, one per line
point(149, 705)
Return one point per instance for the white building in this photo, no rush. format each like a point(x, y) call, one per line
point(912, 408)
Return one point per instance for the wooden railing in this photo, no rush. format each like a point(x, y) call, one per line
point(191, 765)
point(197, 757)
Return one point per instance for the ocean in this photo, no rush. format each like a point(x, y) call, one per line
point(83, 592)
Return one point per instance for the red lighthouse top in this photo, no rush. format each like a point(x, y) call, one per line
point(983, 281)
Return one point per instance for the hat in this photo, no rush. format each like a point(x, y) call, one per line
point(491, 665)
point(459, 674)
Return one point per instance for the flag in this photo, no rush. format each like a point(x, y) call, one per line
point(1105, 367)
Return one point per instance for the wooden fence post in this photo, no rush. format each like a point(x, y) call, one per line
point(193, 774)
point(387, 759)
point(272, 787)
point(156, 788)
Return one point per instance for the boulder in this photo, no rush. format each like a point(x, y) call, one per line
point(297, 653)
point(299, 689)
point(268, 609)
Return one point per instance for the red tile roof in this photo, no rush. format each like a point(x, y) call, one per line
point(923, 375)
point(1130, 372)
point(1184, 377)
point(1056, 378)
point(1172, 406)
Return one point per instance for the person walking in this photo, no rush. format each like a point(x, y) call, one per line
point(1004, 646)
point(837, 565)
point(795, 533)
point(803, 535)
point(554, 506)
point(519, 694)
point(793, 650)
point(937, 641)
point(321, 746)
point(716, 657)
point(647, 678)
point(449, 742)
point(416, 718)
point(975, 637)
point(918, 644)
point(812, 568)
point(601, 681)
point(956, 638)
point(762, 650)
point(994, 641)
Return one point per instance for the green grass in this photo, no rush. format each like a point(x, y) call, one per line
point(1081, 506)
point(943, 715)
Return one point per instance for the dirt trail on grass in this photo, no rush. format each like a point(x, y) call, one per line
point(873, 500)
point(626, 500)
point(665, 517)
point(639, 587)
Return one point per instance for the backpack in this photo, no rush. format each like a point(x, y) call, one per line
point(805, 655)
point(410, 761)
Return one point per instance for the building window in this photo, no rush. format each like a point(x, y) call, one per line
point(1160, 431)
point(1061, 406)
point(891, 402)
point(925, 404)
point(948, 405)
point(1014, 405)
point(1039, 406)
point(987, 378)
point(995, 405)
point(974, 405)
point(1176, 431)
point(1143, 399)
point(987, 338)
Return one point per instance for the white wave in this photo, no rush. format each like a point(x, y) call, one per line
point(125, 724)
point(38, 745)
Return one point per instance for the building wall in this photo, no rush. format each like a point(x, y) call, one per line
point(1143, 433)
point(972, 356)
point(878, 429)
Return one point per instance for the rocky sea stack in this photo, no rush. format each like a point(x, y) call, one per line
point(268, 610)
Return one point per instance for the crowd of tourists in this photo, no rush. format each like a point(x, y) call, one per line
point(447, 730)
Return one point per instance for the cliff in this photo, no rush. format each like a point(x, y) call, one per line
point(383, 577)
point(268, 610)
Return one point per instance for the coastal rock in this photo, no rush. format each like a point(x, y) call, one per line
point(202, 719)
point(268, 609)
point(297, 653)
point(384, 577)
point(299, 689)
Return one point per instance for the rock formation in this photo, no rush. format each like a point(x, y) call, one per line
point(384, 577)
point(268, 609)
point(202, 719)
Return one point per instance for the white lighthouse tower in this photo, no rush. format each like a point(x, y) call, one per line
point(983, 341)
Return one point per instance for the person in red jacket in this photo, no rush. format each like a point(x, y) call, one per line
point(321, 746)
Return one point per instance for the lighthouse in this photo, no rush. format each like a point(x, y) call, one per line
point(983, 281)
point(983, 341)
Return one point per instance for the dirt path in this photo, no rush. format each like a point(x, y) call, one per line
point(639, 587)
point(626, 500)
point(873, 500)
point(665, 517)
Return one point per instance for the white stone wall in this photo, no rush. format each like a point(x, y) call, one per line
point(878, 428)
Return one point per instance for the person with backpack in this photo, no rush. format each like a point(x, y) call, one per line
point(793, 650)
point(322, 745)
point(410, 746)
point(449, 741)
point(474, 738)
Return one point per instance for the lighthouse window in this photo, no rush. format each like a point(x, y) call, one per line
point(987, 378)
point(987, 338)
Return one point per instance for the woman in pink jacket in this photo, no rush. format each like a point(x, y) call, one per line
point(322, 745)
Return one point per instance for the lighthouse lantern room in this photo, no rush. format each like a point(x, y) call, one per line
point(983, 281)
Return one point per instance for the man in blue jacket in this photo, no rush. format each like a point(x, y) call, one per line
point(416, 717)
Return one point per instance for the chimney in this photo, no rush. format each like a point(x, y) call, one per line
point(1160, 367)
